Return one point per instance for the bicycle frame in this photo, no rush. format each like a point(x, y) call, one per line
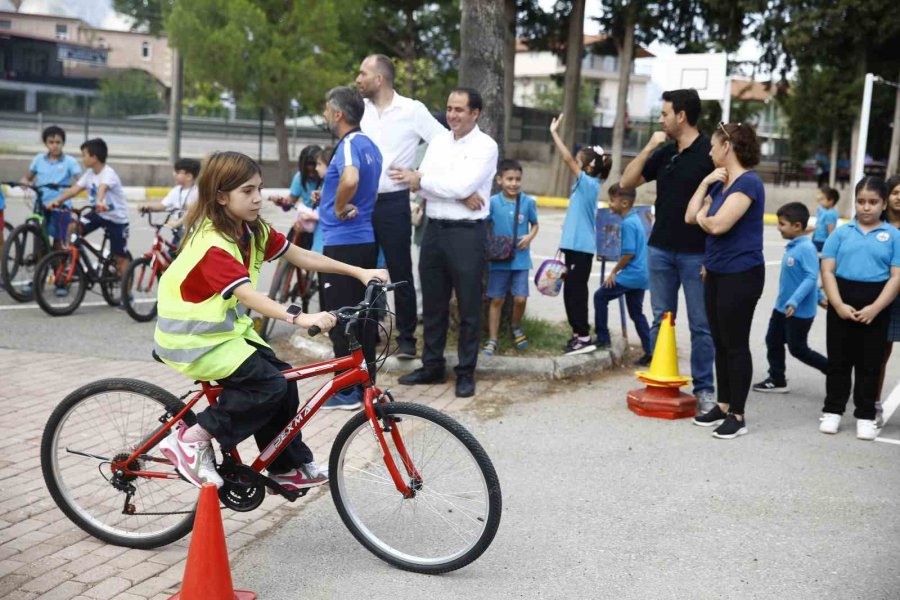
point(354, 372)
point(74, 248)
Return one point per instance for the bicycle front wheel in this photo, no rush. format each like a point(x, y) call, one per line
point(93, 425)
point(455, 512)
point(59, 283)
point(111, 281)
point(22, 250)
point(139, 290)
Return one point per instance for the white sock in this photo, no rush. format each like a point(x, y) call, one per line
point(195, 434)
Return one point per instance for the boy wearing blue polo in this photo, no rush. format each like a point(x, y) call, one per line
point(53, 168)
point(795, 307)
point(826, 216)
point(510, 276)
point(629, 277)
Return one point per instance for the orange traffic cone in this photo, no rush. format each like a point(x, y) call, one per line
point(207, 575)
point(661, 398)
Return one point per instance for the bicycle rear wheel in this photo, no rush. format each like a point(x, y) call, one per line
point(111, 281)
point(22, 250)
point(455, 512)
point(139, 290)
point(59, 283)
point(90, 427)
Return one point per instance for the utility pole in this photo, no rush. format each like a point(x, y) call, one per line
point(175, 96)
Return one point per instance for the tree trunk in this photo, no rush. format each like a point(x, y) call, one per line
point(279, 114)
point(833, 156)
point(561, 176)
point(894, 155)
point(509, 67)
point(625, 48)
point(482, 40)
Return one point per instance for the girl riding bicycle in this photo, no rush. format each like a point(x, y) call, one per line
point(200, 333)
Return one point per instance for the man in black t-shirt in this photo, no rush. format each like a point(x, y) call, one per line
point(675, 252)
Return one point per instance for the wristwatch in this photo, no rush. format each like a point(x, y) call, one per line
point(293, 310)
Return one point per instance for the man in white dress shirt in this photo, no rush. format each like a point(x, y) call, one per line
point(455, 179)
point(397, 125)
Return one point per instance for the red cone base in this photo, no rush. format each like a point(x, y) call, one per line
point(662, 403)
point(238, 595)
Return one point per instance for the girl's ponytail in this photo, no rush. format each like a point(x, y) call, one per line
point(597, 163)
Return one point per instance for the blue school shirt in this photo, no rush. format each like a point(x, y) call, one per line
point(799, 272)
point(298, 190)
point(354, 149)
point(824, 218)
point(740, 248)
point(578, 231)
point(634, 241)
point(863, 256)
point(63, 172)
point(2, 199)
point(501, 217)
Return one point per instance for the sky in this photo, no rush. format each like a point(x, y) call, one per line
point(98, 13)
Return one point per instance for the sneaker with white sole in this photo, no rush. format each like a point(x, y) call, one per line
point(770, 386)
point(714, 416)
point(830, 423)
point(866, 429)
point(307, 476)
point(195, 461)
point(731, 428)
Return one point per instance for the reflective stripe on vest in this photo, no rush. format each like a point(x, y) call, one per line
point(183, 355)
point(178, 326)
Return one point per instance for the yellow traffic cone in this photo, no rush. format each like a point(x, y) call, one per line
point(662, 398)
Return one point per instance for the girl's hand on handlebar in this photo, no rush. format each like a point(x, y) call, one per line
point(325, 321)
point(368, 275)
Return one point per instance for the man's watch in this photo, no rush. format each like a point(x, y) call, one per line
point(293, 310)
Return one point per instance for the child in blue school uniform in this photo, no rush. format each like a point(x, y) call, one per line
point(305, 183)
point(861, 275)
point(510, 276)
point(579, 241)
point(54, 168)
point(795, 306)
point(629, 276)
point(826, 215)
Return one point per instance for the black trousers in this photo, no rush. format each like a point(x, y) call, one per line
point(393, 233)
point(575, 290)
point(339, 290)
point(257, 400)
point(452, 260)
point(792, 331)
point(855, 349)
point(730, 301)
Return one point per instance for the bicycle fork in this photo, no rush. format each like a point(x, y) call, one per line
point(381, 423)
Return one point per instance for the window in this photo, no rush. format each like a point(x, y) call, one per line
point(62, 32)
point(36, 62)
point(145, 50)
point(5, 24)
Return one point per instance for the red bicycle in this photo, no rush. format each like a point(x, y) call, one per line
point(410, 483)
point(140, 280)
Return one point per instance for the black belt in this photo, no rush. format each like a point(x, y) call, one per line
point(454, 222)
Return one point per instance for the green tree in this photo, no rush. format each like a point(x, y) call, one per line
point(265, 51)
point(131, 92)
point(149, 15)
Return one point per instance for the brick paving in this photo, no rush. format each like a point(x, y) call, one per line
point(43, 555)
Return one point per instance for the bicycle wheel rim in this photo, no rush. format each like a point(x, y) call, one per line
point(105, 424)
point(59, 284)
point(140, 290)
point(448, 519)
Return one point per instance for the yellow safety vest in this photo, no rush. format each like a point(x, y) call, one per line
point(205, 340)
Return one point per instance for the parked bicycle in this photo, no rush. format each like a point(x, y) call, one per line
point(62, 278)
point(410, 483)
point(26, 245)
point(139, 284)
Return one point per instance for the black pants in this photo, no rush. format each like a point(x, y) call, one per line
point(855, 349)
point(393, 233)
point(730, 301)
point(257, 400)
point(452, 260)
point(339, 290)
point(575, 290)
point(792, 331)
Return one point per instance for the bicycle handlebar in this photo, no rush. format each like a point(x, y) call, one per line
point(347, 314)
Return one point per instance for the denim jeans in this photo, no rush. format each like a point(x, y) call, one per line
point(670, 270)
point(792, 331)
point(634, 300)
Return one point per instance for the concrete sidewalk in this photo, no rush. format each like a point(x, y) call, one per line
point(43, 555)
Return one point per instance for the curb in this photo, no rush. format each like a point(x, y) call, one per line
point(550, 367)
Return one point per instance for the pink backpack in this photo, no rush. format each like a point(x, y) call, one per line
point(549, 277)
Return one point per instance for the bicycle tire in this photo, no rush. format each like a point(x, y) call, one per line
point(376, 518)
point(277, 292)
point(140, 271)
point(22, 251)
point(48, 271)
point(110, 281)
point(69, 476)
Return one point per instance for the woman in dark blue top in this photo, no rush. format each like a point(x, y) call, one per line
point(728, 206)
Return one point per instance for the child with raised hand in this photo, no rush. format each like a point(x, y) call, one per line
point(578, 243)
point(200, 334)
point(510, 276)
point(629, 276)
point(795, 306)
point(861, 275)
point(826, 215)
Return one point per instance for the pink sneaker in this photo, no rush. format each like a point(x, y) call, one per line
point(195, 461)
point(308, 476)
